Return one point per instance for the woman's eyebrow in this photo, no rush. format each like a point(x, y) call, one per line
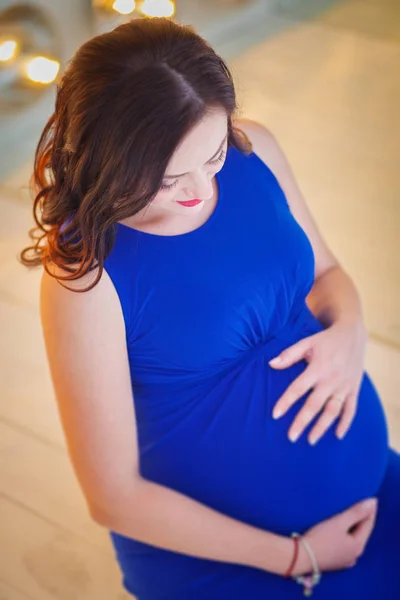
point(216, 154)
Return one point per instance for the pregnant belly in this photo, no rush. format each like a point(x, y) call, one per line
point(225, 450)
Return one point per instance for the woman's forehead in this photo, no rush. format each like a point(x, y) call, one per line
point(200, 145)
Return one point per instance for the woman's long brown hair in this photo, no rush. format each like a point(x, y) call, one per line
point(123, 105)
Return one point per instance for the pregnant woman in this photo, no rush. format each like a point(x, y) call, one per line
point(206, 347)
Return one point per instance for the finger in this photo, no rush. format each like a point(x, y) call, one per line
point(362, 532)
point(331, 411)
point(349, 411)
point(294, 392)
point(315, 403)
point(352, 564)
point(291, 355)
point(358, 512)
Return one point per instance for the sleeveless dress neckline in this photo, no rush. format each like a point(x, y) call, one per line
point(203, 228)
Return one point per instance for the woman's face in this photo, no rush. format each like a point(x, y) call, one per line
point(191, 170)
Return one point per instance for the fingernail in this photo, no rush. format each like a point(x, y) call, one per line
point(293, 436)
point(277, 413)
point(313, 441)
point(370, 503)
point(275, 360)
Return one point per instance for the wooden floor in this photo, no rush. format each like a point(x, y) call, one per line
point(327, 85)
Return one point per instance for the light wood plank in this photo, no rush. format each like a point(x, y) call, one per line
point(7, 592)
point(40, 476)
point(378, 19)
point(27, 400)
point(15, 221)
point(21, 337)
point(383, 365)
point(48, 563)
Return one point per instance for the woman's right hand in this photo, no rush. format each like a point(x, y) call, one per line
point(338, 542)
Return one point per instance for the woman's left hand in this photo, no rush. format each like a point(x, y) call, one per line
point(334, 373)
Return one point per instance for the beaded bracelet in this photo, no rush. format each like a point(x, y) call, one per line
point(308, 581)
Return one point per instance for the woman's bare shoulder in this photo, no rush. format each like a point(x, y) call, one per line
point(263, 142)
point(55, 283)
point(67, 301)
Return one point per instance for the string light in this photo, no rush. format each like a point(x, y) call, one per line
point(124, 7)
point(8, 49)
point(29, 55)
point(41, 69)
point(158, 8)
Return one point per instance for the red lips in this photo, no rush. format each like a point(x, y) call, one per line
point(189, 202)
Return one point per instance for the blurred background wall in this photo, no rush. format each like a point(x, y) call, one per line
point(323, 75)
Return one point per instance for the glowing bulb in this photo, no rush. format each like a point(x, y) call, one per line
point(7, 50)
point(42, 70)
point(124, 6)
point(158, 8)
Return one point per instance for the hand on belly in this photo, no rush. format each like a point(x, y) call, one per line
point(334, 360)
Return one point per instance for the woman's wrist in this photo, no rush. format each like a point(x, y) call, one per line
point(303, 564)
point(278, 559)
point(276, 555)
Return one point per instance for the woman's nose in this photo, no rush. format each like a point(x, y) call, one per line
point(201, 186)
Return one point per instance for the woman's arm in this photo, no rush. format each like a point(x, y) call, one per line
point(334, 298)
point(157, 515)
point(86, 347)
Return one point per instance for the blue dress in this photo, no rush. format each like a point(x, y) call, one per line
point(204, 312)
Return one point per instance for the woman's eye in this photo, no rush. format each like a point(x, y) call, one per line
point(169, 187)
point(219, 159)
